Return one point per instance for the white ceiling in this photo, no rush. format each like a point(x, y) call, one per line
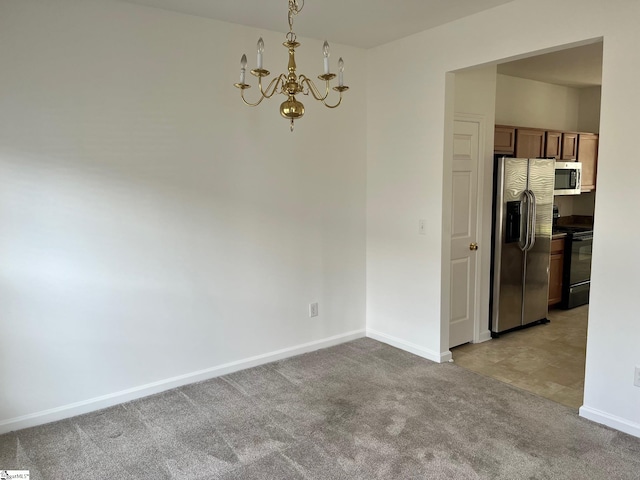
point(573, 67)
point(360, 23)
point(368, 23)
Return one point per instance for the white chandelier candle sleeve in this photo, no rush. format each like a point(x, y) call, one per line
point(260, 52)
point(341, 72)
point(243, 68)
point(325, 51)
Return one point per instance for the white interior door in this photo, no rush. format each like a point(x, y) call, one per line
point(464, 219)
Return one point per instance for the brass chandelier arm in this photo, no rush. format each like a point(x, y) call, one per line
point(249, 103)
point(316, 94)
point(264, 93)
point(313, 89)
point(274, 83)
point(336, 105)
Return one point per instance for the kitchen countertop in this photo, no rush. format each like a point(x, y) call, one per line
point(559, 235)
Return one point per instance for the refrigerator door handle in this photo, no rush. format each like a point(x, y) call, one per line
point(529, 224)
point(532, 214)
point(529, 219)
point(524, 239)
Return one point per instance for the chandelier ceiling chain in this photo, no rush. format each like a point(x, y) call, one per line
point(294, 9)
point(292, 84)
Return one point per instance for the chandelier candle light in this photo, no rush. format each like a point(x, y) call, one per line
point(292, 84)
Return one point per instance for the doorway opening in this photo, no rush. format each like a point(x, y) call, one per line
point(547, 98)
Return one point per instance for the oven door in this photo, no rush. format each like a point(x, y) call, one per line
point(580, 266)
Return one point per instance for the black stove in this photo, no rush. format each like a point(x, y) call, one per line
point(576, 281)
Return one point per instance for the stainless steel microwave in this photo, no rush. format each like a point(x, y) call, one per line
point(568, 178)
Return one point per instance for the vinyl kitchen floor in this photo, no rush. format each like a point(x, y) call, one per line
point(547, 360)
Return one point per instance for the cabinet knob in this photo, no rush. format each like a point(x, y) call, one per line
point(473, 246)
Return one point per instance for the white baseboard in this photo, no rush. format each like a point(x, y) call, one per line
point(484, 336)
point(442, 357)
point(609, 420)
point(104, 401)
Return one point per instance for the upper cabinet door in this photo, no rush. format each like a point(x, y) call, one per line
point(553, 146)
point(588, 156)
point(529, 143)
point(569, 146)
point(504, 140)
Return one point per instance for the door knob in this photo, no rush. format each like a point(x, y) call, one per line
point(473, 246)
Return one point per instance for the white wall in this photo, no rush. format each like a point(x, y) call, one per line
point(475, 94)
point(529, 103)
point(153, 226)
point(405, 171)
point(589, 116)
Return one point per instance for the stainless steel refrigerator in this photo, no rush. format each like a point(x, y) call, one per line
point(523, 213)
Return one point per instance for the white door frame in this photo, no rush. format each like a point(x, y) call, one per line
point(481, 331)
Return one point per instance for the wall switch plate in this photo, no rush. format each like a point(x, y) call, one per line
point(422, 226)
point(636, 378)
point(313, 309)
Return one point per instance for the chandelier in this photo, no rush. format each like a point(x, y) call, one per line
point(292, 84)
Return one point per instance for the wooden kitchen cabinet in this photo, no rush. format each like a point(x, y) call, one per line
point(553, 145)
point(556, 262)
point(529, 143)
point(569, 146)
point(504, 140)
point(588, 156)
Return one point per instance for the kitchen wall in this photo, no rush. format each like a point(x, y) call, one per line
point(589, 115)
point(407, 135)
point(156, 231)
point(583, 204)
point(529, 103)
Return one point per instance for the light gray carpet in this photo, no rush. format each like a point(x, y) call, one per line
point(362, 410)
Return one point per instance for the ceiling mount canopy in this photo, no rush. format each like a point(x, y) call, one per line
point(292, 84)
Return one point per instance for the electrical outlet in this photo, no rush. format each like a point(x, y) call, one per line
point(422, 226)
point(313, 309)
point(636, 378)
